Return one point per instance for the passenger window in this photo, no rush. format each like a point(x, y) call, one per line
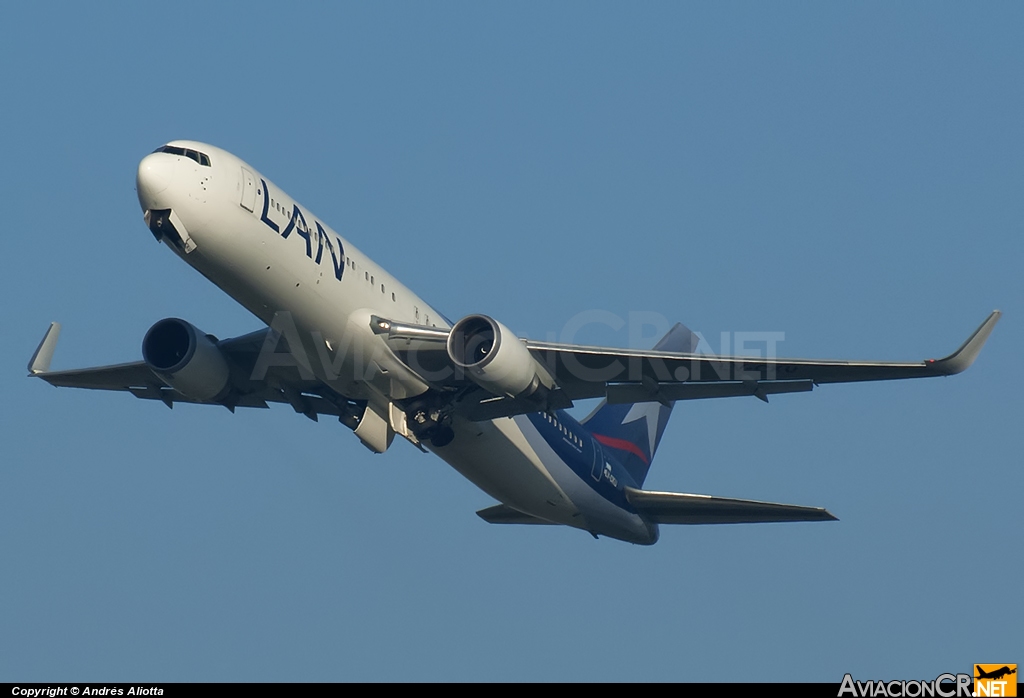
point(393, 296)
point(367, 275)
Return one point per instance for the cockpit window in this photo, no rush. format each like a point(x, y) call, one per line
point(202, 158)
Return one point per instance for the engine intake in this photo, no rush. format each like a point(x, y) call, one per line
point(495, 359)
point(187, 360)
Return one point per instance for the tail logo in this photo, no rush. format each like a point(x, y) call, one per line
point(651, 411)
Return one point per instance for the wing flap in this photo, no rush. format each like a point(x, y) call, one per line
point(481, 406)
point(680, 508)
point(626, 393)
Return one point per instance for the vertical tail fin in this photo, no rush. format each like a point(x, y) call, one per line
point(634, 431)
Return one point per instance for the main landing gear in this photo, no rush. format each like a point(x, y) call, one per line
point(428, 423)
point(441, 436)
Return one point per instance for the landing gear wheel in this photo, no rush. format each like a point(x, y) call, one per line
point(441, 436)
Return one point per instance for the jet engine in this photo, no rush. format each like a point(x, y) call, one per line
point(186, 359)
point(495, 359)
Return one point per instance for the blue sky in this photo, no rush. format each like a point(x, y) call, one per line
point(848, 174)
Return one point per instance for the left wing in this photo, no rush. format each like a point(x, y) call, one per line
point(281, 384)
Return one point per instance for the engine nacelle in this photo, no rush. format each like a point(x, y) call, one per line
point(494, 358)
point(186, 359)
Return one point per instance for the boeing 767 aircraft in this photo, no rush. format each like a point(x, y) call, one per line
point(346, 339)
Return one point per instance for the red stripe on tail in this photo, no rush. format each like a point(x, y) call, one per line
point(623, 445)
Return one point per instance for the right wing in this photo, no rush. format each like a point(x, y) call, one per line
point(630, 375)
point(624, 375)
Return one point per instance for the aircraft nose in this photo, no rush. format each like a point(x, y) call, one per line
point(156, 173)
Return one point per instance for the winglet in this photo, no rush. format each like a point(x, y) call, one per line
point(963, 357)
point(40, 361)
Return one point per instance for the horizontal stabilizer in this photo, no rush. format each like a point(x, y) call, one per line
point(502, 514)
point(678, 508)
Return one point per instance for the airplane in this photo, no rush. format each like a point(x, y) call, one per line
point(995, 674)
point(343, 338)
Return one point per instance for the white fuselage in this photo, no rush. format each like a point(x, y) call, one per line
point(291, 270)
